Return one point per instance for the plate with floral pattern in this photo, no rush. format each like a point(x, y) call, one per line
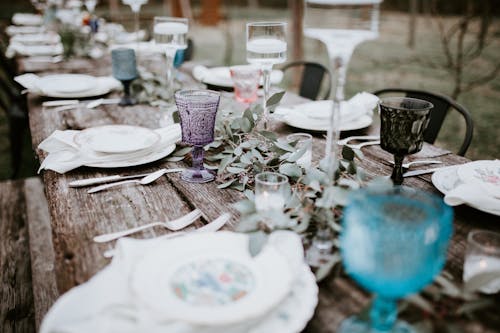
point(211, 279)
point(485, 173)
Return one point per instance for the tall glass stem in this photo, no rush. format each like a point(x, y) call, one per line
point(333, 133)
point(170, 53)
point(136, 19)
point(383, 314)
point(266, 75)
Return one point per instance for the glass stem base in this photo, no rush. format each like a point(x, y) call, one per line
point(355, 325)
point(197, 173)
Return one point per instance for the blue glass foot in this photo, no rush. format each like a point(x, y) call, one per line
point(355, 325)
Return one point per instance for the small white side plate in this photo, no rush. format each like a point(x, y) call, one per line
point(485, 173)
point(117, 138)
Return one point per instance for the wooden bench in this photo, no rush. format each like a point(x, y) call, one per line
point(25, 234)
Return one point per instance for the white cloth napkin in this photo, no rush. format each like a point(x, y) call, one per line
point(359, 105)
point(38, 38)
point(221, 76)
point(27, 19)
point(473, 195)
point(31, 82)
point(16, 48)
point(106, 303)
point(65, 155)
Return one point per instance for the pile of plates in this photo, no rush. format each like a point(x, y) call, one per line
point(124, 145)
point(476, 184)
point(315, 116)
point(204, 282)
point(220, 77)
point(75, 85)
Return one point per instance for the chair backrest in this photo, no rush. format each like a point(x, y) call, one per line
point(441, 104)
point(312, 78)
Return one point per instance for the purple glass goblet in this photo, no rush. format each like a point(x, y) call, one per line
point(197, 110)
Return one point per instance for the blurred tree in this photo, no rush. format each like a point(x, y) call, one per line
point(464, 42)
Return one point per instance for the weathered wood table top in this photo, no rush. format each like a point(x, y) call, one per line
point(76, 217)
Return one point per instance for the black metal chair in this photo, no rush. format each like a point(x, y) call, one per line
point(313, 75)
point(441, 104)
point(14, 103)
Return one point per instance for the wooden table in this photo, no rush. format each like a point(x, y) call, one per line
point(76, 217)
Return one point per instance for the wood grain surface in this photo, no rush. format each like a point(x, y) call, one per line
point(76, 216)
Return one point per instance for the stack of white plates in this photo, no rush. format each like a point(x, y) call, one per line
point(221, 76)
point(200, 283)
point(75, 85)
point(27, 19)
point(129, 145)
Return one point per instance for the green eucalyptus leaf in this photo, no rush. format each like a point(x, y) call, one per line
point(284, 146)
point(290, 169)
point(182, 151)
point(249, 116)
point(224, 163)
point(235, 170)
point(269, 135)
point(226, 184)
point(275, 99)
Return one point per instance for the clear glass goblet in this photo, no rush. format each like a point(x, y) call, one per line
point(403, 121)
point(393, 243)
point(135, 5)
point(266, 46)
point(171, 34)
point(197, 111)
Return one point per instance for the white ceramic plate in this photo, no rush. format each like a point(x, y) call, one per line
point(210, 279)
point(117, 138)
point(153, 156)
point(484, 173)
point(298, 120)
point(221, 77)
point(98, 90)
point(446, 179)
point(67, 83)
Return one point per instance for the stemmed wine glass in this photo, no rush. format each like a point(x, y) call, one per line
point(197, 111)
point(266, 46)
point(124, 69)
point(171, 34)
point(403, 121)
point(393, 243)
point(341, 25)
point(135, 5)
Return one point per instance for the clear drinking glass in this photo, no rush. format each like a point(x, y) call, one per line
point(135, 5)
point(341, 25)
point(483, 255)
point(197, 110)
point(270, 191)
point(266, 46)
point(246, 82)
point(302, 141)
point(171, 34)
point(90, 5)
point(403, 121)
point(393, 243)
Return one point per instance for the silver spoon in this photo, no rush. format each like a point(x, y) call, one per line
point(143, 181)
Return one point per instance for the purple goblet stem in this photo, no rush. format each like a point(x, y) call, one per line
point(197, 155)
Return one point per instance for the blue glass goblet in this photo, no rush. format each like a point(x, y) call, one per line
point(197, 111)
point(125, 70)
point(393, 244)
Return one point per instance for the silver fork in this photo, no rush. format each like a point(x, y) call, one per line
point(174, 225)
point(361, 145)
point(210, 227)
point(358, 137)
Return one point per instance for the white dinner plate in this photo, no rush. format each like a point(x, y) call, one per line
point(153, 156)
point(210, 279)
point(221, 76)
point(117, 138)
point(103, 85)
point(447, 179)
point(67, 83)
point(304, 122)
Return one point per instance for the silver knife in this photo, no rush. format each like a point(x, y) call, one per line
point(108, 179)
point(421, 172)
